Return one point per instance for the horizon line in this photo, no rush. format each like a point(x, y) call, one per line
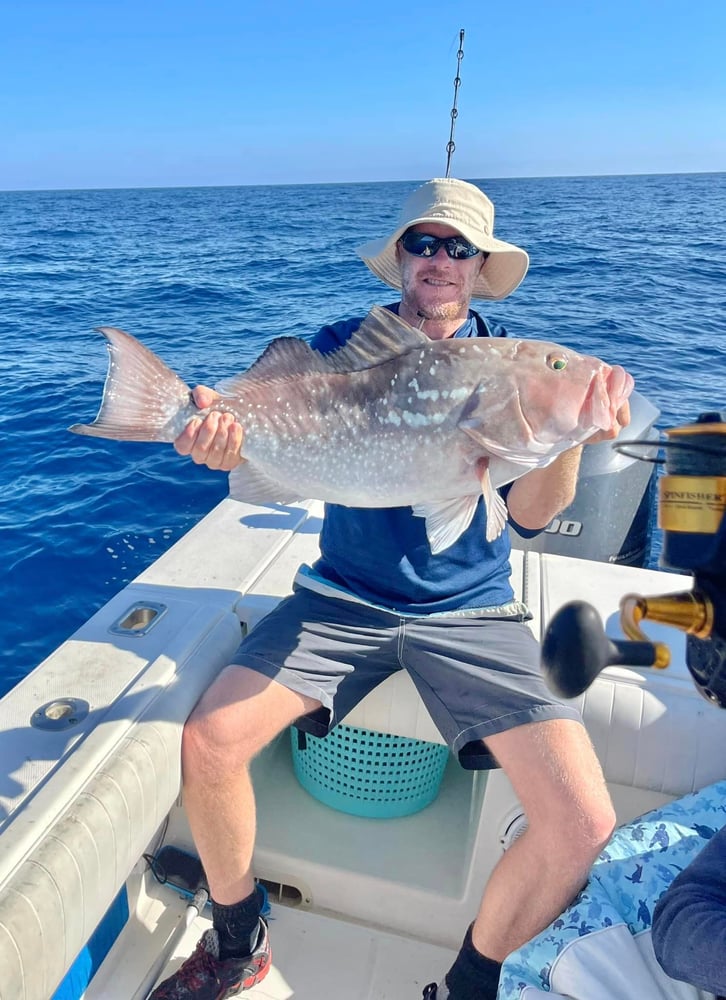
point(517, 177)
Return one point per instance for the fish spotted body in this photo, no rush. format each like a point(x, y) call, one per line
point(390, 419)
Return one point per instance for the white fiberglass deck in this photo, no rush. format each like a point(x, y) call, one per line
point(314, 957)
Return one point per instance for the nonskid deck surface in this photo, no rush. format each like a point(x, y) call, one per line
point(321, 958)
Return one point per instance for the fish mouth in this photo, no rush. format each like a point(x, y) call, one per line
point(608, 390)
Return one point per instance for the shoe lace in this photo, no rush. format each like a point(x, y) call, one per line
point(199, 962)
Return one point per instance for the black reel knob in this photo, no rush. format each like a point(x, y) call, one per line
point(575, 650)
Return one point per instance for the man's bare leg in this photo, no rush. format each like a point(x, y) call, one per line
point(236, 718)
point(559, 782)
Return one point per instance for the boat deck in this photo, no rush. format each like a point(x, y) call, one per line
point(314, 956)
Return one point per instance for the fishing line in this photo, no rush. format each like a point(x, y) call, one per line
point(451, 145)
point(689, 462)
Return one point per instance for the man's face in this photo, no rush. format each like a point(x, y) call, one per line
point(437, 286)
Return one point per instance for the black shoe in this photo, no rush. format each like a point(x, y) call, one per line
point(431, 992)
point(205, 976)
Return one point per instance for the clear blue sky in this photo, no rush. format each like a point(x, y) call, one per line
point(137, 93)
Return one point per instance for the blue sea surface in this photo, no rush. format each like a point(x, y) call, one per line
point(632, 269)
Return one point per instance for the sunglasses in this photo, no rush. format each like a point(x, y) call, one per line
point(425, 245)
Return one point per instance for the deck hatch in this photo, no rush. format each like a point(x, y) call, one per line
point(139, 619)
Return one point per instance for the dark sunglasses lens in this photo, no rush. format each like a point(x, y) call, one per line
point(460, 249)
point(426, 245)
point(420, 244)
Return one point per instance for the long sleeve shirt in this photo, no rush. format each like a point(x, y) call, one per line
point(689, 921)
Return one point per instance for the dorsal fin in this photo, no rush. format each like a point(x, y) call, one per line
point(381, 336)
point(283, 358)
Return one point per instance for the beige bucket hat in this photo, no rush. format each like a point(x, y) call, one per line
point(466, 209)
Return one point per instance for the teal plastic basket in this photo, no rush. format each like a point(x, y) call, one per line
point(369, 774)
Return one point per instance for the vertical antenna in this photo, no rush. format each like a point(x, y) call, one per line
point(451, 145)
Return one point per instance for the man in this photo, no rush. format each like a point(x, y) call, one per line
point(689, 921)
point(376, 572)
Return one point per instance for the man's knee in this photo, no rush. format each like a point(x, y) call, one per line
point(221, 728)
point(595, 827)
point(573, 838)
point(236, 718)
point(581, 815)
point(556, 773)
point(212, 741)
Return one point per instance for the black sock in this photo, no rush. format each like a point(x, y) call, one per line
point(473, 976)
point(237, 925)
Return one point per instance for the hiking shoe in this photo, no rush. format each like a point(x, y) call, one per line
point(204, 976)
point(432, 992)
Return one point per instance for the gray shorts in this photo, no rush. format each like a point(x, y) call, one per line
point(476, 676)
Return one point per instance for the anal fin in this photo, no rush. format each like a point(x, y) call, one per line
point(249, 484)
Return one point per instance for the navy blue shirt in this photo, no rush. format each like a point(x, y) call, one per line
point(689, 921)
point(382, 554)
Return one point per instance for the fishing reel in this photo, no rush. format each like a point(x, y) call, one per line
point(692, 514)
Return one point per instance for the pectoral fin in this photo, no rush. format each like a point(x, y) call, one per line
point(252, 486)
point(447, 520)
point(530, 457)
point(495, 506)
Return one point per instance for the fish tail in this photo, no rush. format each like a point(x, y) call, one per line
point(143, 399)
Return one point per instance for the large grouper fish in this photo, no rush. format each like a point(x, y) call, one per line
point(390, 419)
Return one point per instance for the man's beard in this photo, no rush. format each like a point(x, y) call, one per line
point(443, 310)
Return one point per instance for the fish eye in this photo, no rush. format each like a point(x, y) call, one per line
point(557, 362)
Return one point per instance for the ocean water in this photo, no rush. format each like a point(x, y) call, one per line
point(632, 269)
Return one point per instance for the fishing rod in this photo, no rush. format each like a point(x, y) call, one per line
point(451, 145)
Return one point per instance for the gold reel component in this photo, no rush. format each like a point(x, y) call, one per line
point(689, 611)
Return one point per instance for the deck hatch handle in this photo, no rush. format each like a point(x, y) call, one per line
point(139, 619)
